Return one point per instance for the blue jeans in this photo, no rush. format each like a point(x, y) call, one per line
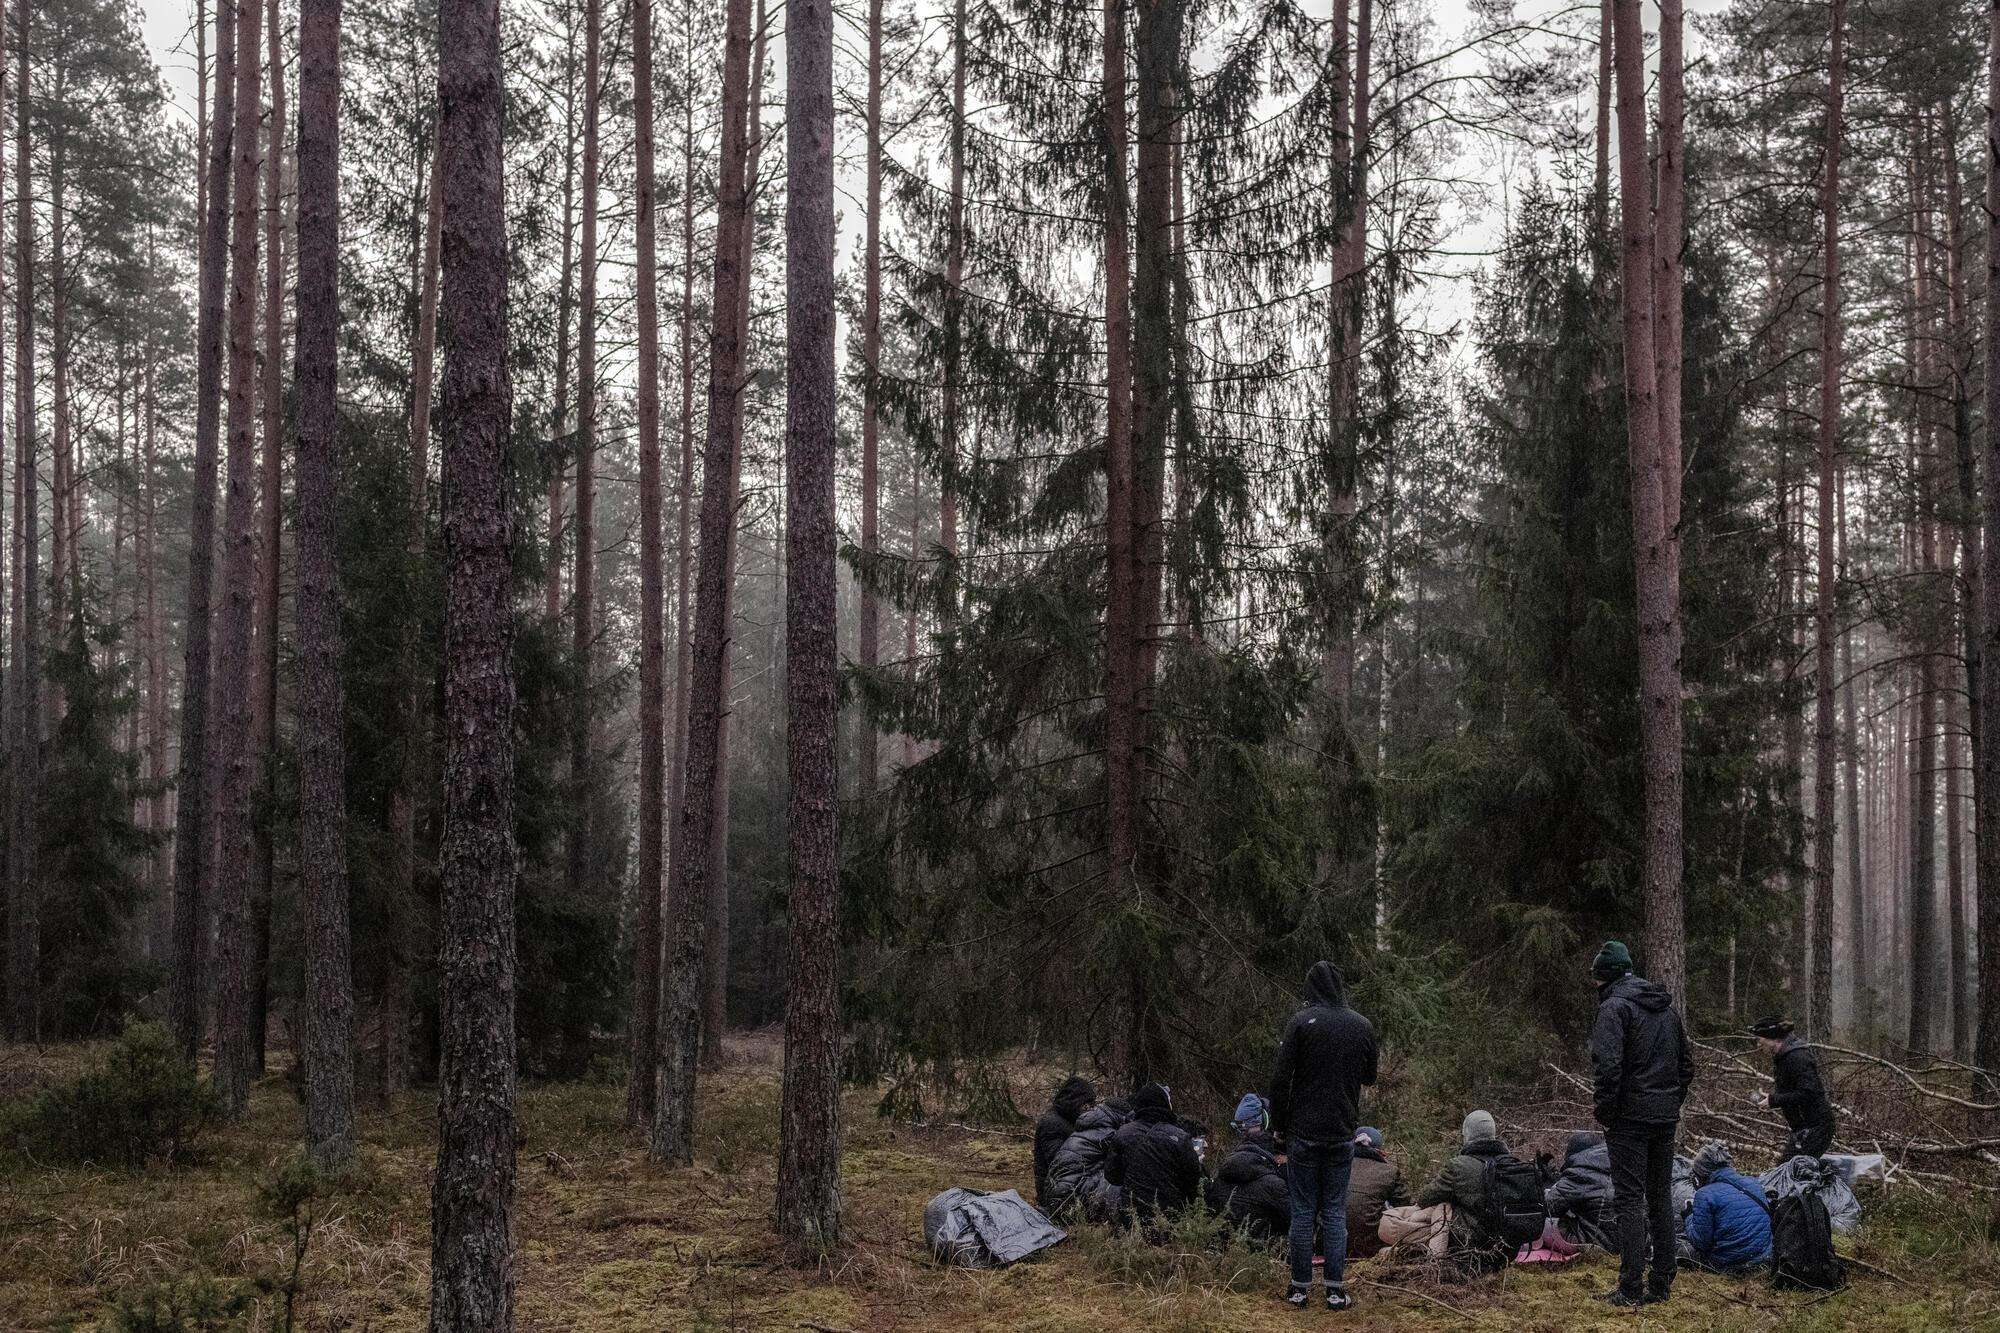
point(1318, 1174)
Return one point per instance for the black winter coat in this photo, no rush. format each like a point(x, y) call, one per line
point(1154, 1161)
point(1252, 1191)
point(1326, 1056)
point(1055, 1126)
point(1799, 1093)
point(1076, 1171)
point(1641, 1053)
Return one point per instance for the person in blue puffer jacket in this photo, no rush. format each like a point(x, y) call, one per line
point(1729, 1228)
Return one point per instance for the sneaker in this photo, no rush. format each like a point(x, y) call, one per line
point(1298, 1297)
point(1338, 1299)
point(1618, 1300)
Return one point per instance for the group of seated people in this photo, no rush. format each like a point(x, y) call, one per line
point(1133, 1159)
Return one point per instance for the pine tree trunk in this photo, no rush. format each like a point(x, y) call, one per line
point(583, 600)
point(1600, 191)
point(472, 1195)
point(1665, 936)
point(1922, 899)
point(264, 731)
point(328, 1050)
point(1819, 1011)
point(640, 1086)
point(193, 834)
point(680, 1003)
point(234, 938)
point(24, 884)
point(565, 312)
point(1986, 784)
point(1861, 1006)
point(954, 314)
point(1121, 656)
point(683, 517)
point(809, 1136)
point(868, 647)
point(715, 949)
point(414, 723)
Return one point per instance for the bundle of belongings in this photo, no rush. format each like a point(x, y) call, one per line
point(1831, 1179)
point(975, 1230)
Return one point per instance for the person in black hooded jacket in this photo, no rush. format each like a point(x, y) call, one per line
point(1580, 1199)
point(1797, 1091)
point(1251, 1190)
point(1152, 1158)
point(1073, 1097)
point(1643, 1065)
point(1325, 1057)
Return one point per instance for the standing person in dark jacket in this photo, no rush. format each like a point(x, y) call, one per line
point(1643, 1065)
point(1152, 1158)
point(1073, 1097)
point(1326, 1056)
point(1798, 1093)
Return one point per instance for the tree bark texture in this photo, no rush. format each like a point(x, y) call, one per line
point(641, 1087)
point(192, 832)
point(680, 1003)
point(329, 1007)
point(234, 940)
point(1819, 1009)
point(472, 1195)
point(1664, 939)
point(809, 1134)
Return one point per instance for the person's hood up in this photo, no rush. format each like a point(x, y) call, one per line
point(1478, 1128)
point(1581, 1142)
point(1641, 992)
point(1711, 1159)
point(1325, 985)
point(1152, 1104)
point(1789, 1044)
point(1101, 1116)
point(1073, 1096)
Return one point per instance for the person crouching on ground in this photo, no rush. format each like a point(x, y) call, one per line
point(1797, 1091)
point(1374, 1186)
point(1729, 1227)
point(1643, 1065)
point(1073, 1097)
point(1250, 1190)
point(1461, 1183)
point(1580, 1200)
point(1153, 1159)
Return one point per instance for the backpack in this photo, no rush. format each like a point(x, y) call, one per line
point(1802, 1254)
point(1514, 1209)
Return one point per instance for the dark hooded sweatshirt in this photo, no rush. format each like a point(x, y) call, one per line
point(1326, 1056)
point(1798, 1091)
point(1640, 1053)
point(1056, 1125)
point(1153, 1158)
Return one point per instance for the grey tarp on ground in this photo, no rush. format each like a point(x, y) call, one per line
point(976, 1230)
point(1826, 1178)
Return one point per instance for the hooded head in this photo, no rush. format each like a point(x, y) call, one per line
point(1613, 961)
point(1073, 1097)
point(1152, 1103)
point(1249, 1113)
point(1712, 1158)
point(1478, 1128)
point(1580, 1143)
point(1325, 985)
point(1369, 1135)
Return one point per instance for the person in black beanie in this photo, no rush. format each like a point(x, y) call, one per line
point(1798, 1093)
point(1074, 1095)
point(1643, 1065)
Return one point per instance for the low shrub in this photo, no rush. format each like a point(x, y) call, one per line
point(198, 1304)
point(140, 1102)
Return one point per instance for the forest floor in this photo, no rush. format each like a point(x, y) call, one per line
point(609, 1241)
